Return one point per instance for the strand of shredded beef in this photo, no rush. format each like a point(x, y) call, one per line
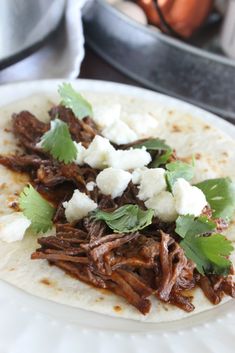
point(135, 265)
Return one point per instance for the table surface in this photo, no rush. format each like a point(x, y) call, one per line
point(94, 67)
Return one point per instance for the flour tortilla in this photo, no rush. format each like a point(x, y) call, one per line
point(215, 157)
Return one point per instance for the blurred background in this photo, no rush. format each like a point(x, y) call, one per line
point(184, 48)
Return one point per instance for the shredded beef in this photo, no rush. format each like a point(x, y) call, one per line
point(221, 224)
point(182, 301)
point(23, 163)
point(29, 130)
point(135, 265)
point(81, 130)
point(118, 259)
point(54, 174)
point(215, 287)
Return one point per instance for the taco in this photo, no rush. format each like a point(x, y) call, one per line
point(116, 205)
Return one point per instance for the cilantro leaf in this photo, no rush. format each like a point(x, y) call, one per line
point(208, 253)
point(125, 219)
point(162, 159)
point(177, 170)
point(189, 225)
point(75, 101)
point(36, 209)
point(220, 194)
point(157, 145)
point(58, 142)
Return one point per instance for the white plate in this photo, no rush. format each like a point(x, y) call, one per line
point(32, 325)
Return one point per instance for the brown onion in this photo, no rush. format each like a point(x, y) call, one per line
point(183, 16)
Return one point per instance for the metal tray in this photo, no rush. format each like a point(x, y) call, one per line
point(160, 62)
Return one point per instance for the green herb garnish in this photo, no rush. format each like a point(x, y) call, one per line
point(157, 145)
point(176, 170)
point(36, 209)
point(220, 194)
point(125, 219)
point(189, 225)
point(75, 101)
point(208, 253)
point(162, 159)
point(58, 142)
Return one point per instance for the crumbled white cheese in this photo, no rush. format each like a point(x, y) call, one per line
point(90, 186)
point(163, 205)
point(136, 175)
point(112, 181)
point(129, 159)
point(144, 125)
point(78, 206)
point(152, 182)
point(188, 199)
point(13, 226)
point(97, 153)
point(119, 133)
point(105, 115)
point(81, 152)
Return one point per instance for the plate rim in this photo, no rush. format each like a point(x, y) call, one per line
point(210, 117)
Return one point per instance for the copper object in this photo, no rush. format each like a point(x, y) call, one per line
point(182, 16)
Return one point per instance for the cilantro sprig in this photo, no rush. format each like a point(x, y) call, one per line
point(176, 170)
point(209, 253)
point(162, 159)
point(220, 194)
point(36, 209)
point(125, 219)
point(207, 250)
point(75, 101)
point(153, 144)
point(189, 225)
point(58, 142)
point(163, 154)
